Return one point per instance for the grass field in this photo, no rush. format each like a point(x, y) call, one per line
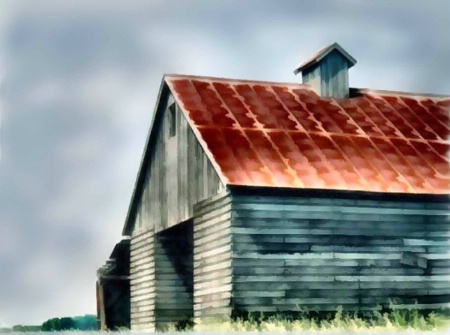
point(392, 320)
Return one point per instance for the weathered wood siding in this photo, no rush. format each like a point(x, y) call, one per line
point(174, 275)
point(321, 253)
point(179, 175)
point(142, 281)
point(330, 77)
point(212, 258)
point(113, 289)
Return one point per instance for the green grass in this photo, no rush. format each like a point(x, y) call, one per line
point(394, 319)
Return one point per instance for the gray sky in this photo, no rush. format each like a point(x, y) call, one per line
point(79, 81)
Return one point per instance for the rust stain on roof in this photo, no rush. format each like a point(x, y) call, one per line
point(285, 135)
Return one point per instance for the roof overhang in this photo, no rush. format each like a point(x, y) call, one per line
point(330, 193)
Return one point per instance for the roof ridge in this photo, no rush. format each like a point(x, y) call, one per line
point(399, 93)
point(278, 83)
point(172, 75)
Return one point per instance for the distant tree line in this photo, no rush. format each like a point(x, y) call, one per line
point(87, 322)
point(21, 329)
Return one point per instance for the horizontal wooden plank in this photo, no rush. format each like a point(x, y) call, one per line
point(142, 290)
point(295, 301)
point(217, 199)
point(135, 289)
point(143, 309)
point(423, 306)
point(199, 254)
point(215, 219)
point(141, 271)
point(407, 285)
point(213, 304)
point(172, 305)
point(218, 313)
point(212, 290)
point(284, 278)
point(142, 250)
point(137, 235)
point(257, 262)
point(213, 238)
point(138, 256)
point(325, 270)
point(290, 259)
point(203, 219)
point(439, 256)
point(142, 260)
point(200, 262)
point(372, 248)
point(212, 267)
point(314, 200)
point(218, 282)
point(283, 207)
point(293, 285)
point(142, 303)
point(142, 320)
point(208, 276)
point(214, 297)
point(424, 242)
point(138, 299)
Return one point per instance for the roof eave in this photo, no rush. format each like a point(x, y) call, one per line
point(334, 193)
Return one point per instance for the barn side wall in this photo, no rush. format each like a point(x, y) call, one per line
point(319, 253)
point(212, 258)
point(178, 176)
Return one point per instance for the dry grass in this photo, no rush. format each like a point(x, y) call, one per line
point(387, 321)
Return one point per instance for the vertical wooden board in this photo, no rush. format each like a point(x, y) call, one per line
point(205, 175)
point(191, 171)
point(198, 173)
point(153, 186)
point(157, 191)
point(181, 166)
point(180, 175)
point(144, 210)
point(184, 180)
point(139, 217)
point(312, 78)
point(323, 79)
point(171, 181)
point(163, 177)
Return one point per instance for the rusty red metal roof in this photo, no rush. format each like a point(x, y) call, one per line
point(285, 135)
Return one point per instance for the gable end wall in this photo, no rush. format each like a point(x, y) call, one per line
point(178, 176)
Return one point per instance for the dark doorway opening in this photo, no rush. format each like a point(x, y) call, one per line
point(174, 275)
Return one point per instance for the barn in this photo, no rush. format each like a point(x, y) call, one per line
point(113, 289)
point(275, 197)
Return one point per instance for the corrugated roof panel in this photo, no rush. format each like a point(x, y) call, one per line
point(231, 101)
point(285, 135)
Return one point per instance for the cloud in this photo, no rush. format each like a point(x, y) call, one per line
point(80, 79)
